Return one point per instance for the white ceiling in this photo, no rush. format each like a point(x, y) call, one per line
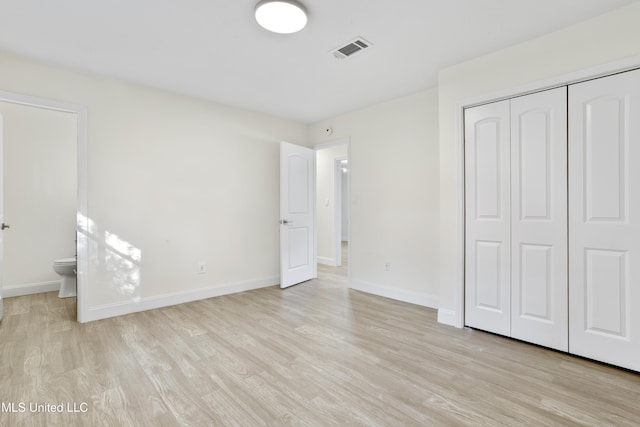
point(213, 49)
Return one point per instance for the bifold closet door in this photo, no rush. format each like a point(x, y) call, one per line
point(604, 219)
point(539, 287)
point(487, 218)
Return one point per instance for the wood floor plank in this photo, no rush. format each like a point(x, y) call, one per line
point(316, 354)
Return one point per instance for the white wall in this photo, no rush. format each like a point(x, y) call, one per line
point(40, 195)
point(610, 37)
point(172, 181)
point(394, 183)
point(325, 201)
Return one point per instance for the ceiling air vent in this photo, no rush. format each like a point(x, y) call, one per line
point(351, 48)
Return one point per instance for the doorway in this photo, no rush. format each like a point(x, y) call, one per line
point(342, 212)
point(58, 172)
point(332, 207)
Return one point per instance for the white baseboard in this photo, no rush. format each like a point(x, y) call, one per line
point(165, 300)
point(448, 317)
point(418, 298)
point(30, 289)
point(327, 261)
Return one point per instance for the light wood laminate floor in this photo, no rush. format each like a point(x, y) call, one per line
point(316, 354)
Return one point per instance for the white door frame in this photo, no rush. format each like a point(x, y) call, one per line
point(456, 317)
point(342, 141)
point(81, 214)
point(337, 206)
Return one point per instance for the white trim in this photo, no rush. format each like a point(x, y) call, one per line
point(349, 210)
point(34, 101)
point(82, 218)
point(458, 314)
point(417, 298)
point(82, 212)
point(314, 209)
point(30, 289)
point(554, 82)
point(166, 300)
point(330, 144)
point(327, 261)
point(448, 317)
point(558, 81)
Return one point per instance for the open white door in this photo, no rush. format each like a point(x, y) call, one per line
point(297, 221)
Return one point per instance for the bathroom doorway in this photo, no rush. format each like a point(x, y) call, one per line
point(43, 166)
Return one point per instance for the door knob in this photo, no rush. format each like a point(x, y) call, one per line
point(284, 221)
point(5, 226)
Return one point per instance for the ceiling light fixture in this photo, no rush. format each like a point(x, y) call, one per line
point(281, 16)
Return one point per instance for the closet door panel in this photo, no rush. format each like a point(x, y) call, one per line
point(604, 219)
point(539, 312)
point(487, 201)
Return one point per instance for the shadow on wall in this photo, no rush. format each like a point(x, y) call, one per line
point(121, 259)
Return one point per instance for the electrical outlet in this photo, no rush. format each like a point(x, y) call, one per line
point(202, 268)
point(387, 266)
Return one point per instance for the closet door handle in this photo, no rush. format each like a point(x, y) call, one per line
point(5, 226)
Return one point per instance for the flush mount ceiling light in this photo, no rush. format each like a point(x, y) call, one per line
point(281, 16)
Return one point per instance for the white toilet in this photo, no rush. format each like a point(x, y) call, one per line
point(66, 268)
